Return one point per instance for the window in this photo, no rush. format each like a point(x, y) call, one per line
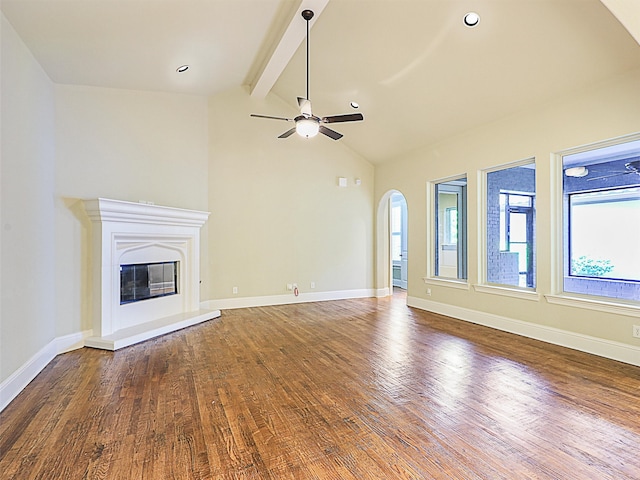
point(601, 221)
point(605, 234)
point(510, 207)
point(451, 236)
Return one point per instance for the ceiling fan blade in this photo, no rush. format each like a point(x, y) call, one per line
point(349, 117)
point(271, 117)
point(305, 106)
point(633, 167)
point(608, 176)
point(288, 133)
point(330, 133)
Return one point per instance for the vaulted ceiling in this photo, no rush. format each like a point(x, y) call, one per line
point(418, 74)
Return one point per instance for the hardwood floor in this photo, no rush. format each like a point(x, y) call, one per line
point(355, 389)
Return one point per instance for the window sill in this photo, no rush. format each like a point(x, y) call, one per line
point(607, 306)
point(508, 292)
point(448, 282)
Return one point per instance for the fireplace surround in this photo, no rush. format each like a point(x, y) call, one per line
point(128, 233)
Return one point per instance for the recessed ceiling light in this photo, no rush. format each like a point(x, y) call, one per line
point(182, 68)
point(354, 105)
point(471, 19)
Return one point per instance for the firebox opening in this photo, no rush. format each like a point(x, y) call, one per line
point(143, 281)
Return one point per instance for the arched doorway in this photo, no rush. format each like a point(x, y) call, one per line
point(392, 244)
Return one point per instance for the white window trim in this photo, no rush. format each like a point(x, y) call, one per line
point(595, 303)
point(447, 282)
point(431, 239)
point(560, 297)
point(483, 286)
point(508, 291)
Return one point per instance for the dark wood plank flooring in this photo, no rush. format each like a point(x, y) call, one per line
point(355, 389)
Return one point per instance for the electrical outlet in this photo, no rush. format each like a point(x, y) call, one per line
point(289, 286)
point(313, 284)
point(428, 292)
point(235, 290)
point(636, 331)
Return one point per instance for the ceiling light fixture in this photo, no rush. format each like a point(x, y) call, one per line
point(471, 19)
point(354, 105)
point(182, 68)
point(576, 172)
point(307, 127)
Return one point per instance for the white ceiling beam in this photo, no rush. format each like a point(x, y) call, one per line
point(289, 43)
point(627, 13)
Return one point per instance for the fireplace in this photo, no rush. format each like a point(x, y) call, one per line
point(146, 271)
point(143, 281)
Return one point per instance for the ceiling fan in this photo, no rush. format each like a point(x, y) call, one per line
point(631, 167)
point(307, 124)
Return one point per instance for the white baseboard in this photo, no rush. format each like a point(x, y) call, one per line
point(244, 302)
point(383, 292)
point(18, 380)
point(621, 352)
point(72, 342)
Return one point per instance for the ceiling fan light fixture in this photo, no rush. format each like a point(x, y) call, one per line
point(307, 127)
point(576, 172)
point(307, 124)
point(471, 19)
point(182, 68)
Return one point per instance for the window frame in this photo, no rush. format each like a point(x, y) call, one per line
point(525, 293)
point(557, 251)
point(432, 231)
point(460, 191)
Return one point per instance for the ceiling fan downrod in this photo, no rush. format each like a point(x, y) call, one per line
point(307, 15)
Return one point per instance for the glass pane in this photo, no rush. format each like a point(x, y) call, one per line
point(169, 278)
point(517, 227)
point(605, 229)
point(147, 280)
point(450, 222)
point(521, 250)
point(127, 283)
point(503, 222)
point(451, 227)
point(141, 282)
point(510, 211)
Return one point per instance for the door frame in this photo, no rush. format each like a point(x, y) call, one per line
point(383, 263)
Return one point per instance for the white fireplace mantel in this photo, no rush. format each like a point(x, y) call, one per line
point(129, 233)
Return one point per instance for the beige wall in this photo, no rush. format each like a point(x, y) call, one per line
point(278, 215)
point(608, 110)
point(124, 145)
point(27, 320)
